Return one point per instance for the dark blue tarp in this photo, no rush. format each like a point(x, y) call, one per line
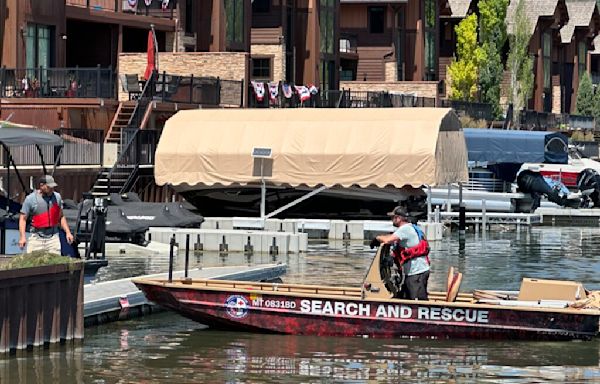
point(503, 146)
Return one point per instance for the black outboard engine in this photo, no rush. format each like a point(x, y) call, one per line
point(93, 231)
point(588, 183)
point(534, 184)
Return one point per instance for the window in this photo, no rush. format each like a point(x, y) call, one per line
point(431, 17)
point(38, 45)
point(547, 59)
point(261, 6)
point(234, 14)
point(189, 16)
point(326, 22)
point(376, 19)
point(581, 59)
point(261, 68)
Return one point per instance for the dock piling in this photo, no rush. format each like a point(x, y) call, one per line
point(187, 254)
point(171, 256)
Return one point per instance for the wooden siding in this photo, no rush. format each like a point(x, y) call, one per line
point(266, 35)
point(443, 67)
point(371, 63)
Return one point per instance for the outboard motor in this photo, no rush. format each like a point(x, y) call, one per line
point(536, 185)
point(93, 231)
point(588, 183)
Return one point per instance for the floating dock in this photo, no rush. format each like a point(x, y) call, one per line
point(120, 299)
point(568, 216)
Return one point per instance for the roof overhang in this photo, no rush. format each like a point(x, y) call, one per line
point(380, 147)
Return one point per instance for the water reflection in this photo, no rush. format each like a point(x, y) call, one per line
point(169, 349)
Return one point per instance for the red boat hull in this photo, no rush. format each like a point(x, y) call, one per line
point(321, 316)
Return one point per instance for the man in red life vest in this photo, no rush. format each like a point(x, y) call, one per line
point(44, 207)
point(411, 252)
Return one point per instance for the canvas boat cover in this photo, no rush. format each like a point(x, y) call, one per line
point(346, 147)
point(502, 146)
point(12, 137)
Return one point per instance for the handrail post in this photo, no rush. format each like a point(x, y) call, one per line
point(171, 257)
point(191, 87)
point(187, 254)
point(98, 81)
point(218, 95)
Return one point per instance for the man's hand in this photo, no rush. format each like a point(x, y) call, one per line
point(69, 236)
point(374, 243)
point(22, 242)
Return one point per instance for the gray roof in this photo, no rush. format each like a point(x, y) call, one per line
point(459, 8)
point(580, 15)
point(596, 50)
point(534, 9)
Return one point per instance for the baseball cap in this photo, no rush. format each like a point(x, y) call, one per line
point(398, 211)
point(48, 180)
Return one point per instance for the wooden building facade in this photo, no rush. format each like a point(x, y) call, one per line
point(390, 40)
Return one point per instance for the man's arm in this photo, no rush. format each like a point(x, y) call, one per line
point(65, 227)
point(388, 239)
point(22, 227)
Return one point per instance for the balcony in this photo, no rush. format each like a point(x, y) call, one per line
point(57, 82)
point(348, 43)
point(154, 9)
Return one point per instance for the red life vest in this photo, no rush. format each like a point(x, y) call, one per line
point(50, 218)
point(402, 255)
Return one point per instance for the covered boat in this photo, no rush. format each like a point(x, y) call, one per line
point(361, 161)
point(372, 311)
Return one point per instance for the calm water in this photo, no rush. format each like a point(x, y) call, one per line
point(170, 349)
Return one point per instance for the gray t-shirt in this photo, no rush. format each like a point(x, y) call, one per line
point(35, 203)
point(409, 238)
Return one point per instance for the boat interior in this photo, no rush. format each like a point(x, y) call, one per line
point(380, 283)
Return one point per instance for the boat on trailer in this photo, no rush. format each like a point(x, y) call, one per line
point(371, 310)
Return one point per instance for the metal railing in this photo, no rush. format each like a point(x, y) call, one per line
point(139, 150)
point(140, 8)
point(209, 91)
point(58, 82)
point(348, 43)
point(80, 147)
point(477, 111)
point(543, 121)
point(344, 98)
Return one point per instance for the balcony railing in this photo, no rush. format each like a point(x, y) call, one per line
point(58, 82)
point(348, 43)
point(477, 111)
point(155, 8)
point(543, 121)
point(211, 91)
point(340, 99)
point(81, 147)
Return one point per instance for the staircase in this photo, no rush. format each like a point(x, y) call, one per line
point(117, 182)
point(120, 121)
point(124, 131)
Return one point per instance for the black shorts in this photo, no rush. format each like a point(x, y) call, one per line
point(415, 287)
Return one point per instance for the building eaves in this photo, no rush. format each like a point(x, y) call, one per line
point(534, 9)
point(580, 15)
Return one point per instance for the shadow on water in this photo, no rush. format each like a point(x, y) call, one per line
point(169, 349)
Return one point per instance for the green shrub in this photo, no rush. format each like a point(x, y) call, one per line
point(36, 259)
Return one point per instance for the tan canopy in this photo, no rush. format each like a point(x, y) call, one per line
point(359, 146)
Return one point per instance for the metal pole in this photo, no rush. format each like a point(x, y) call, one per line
point(171, 249)
point(461, 211)
point(483, 217)
point(263, 190)
point(448, 202)
point(428, 204)
point(187, 254)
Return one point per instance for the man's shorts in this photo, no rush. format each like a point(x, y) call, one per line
point(415, 286)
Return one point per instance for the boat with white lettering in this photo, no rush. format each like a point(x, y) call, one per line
point(541, 310)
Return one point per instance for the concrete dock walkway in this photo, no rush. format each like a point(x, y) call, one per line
point(120, 299)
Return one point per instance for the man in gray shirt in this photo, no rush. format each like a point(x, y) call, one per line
point(44, 208)
point(416, 270)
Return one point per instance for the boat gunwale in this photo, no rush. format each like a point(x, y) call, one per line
point(194, 285)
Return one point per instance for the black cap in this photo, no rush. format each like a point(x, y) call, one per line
point(398, 211)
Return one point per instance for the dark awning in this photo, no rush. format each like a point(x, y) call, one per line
point(13, 137)
point(502, 146)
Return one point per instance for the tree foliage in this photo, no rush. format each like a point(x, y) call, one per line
point(492, 36)
point(463, 71)
point(585, 96)
point(520, 62)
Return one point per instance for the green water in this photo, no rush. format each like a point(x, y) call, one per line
point(167, 348)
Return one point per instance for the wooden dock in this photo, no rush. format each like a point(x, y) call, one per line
point(120, 299)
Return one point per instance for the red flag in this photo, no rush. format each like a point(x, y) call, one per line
point(151, 58)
